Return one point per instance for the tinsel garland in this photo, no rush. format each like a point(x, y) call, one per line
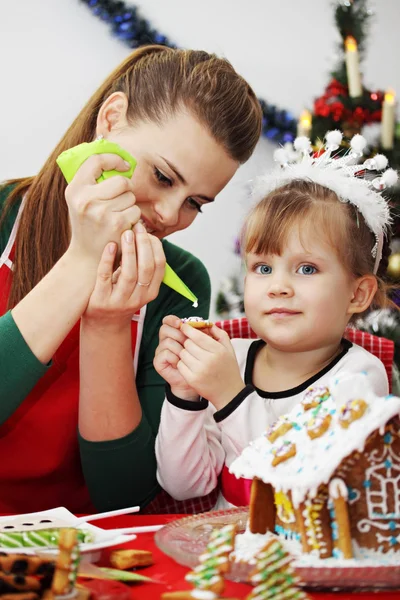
point(334, 109)
point(134, 31)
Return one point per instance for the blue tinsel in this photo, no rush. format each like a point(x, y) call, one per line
point(278, 125)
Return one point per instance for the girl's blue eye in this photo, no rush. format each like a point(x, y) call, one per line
point(263, 269)
point(307, 270)
point(162, 178)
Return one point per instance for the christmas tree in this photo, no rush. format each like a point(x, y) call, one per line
point(214, 562)
point(274, 576)
point(349, 106)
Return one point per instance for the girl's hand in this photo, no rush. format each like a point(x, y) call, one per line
point(208, 364)
point(167, 357)
point(119, 294)
point(99, 212)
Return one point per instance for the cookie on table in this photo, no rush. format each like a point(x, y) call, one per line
point(274, 576)
point(192, 595)
point(128, 559)
point(20, 596)
point(219, 547)
point(26, 564)
point(205, 577)
point(13, 584)
point(67, 563)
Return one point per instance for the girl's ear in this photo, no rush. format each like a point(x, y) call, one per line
point(112, 114)
point(364, 291)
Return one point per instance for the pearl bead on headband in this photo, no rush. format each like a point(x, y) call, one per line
point(339, 172)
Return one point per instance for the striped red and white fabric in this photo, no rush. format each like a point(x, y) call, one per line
point(164, 503)
point(378, 346)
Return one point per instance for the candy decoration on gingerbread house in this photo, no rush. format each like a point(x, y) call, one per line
point(333, 467)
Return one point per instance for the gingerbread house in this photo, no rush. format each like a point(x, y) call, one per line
point(328, 472)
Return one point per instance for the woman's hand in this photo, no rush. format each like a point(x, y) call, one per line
point(99, 212)
point(167, 357)
point(119, 294)
point(208, 364)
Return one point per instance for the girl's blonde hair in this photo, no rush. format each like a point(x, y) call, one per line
point(158, 82)
point(269, 224)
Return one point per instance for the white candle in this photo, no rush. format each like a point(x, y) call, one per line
point(353, 67)
point(388, 120)
point(304, 124)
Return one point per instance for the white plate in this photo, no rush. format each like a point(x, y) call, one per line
point(61, 517)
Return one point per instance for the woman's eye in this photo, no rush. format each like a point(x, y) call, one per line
point(194, 204)
point(307, 270)
point(263, 269)
point(162, 178)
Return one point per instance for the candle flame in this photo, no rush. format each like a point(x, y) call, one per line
point(350, 44)
point(390, 96)
point(306, 118)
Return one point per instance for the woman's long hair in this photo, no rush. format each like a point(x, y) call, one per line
point(158, 82)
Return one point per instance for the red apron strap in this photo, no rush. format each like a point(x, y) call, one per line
point(39, 439)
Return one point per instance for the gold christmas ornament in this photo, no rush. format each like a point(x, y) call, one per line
point(394, 266)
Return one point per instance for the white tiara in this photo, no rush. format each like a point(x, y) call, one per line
point(340, 172)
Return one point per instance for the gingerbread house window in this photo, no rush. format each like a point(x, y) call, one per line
point(382, 485)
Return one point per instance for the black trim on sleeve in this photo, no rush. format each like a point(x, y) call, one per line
point(184, 404)
point(251, 356)
point(222, 414)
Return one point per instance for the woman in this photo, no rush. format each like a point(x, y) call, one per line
point(189, 120)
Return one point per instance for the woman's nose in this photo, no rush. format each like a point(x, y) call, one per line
point(167, 210)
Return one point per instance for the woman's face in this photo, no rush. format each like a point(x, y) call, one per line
point(180, 169)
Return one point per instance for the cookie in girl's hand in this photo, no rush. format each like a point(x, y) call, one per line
point(197, 322)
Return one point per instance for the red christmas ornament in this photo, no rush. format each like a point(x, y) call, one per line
point(337, 110)
point(321, 109)
point(335, 88)
point(376, 116)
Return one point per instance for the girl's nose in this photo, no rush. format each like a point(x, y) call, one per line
point(280, 286)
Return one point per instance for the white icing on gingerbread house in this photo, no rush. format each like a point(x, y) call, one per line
point(353, 460)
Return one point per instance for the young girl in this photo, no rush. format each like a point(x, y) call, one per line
point(312, 248)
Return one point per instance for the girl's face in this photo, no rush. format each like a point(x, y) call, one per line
point(180, 169)
point(299, 301)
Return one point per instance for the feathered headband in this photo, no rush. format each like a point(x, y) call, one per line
point(351, 182)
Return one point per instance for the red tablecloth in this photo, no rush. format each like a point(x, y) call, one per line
point(171, 576)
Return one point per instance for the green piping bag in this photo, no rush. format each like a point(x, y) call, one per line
point(70, 161)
